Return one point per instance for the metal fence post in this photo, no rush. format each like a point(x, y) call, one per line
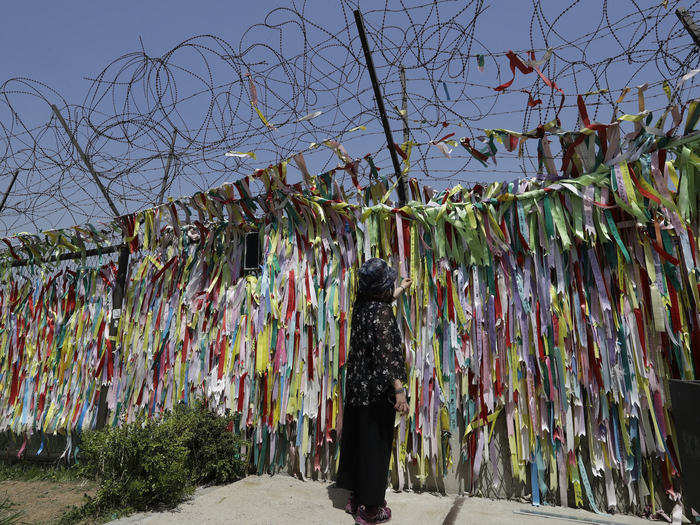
point(401, 184)
point(117, 301)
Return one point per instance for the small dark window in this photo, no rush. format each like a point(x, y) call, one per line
point(251, 262)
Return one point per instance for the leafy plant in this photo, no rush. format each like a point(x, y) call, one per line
point(140, 465)
point(156, 464)
point(214, 455)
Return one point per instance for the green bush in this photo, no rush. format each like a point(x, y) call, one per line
point(214, 453)
point(156, 464)
point(140, 465)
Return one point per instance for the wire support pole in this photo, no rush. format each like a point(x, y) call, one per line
point(171, 153)
point(86, 160)
point(404, 104)
point(9, 189)
point(689, 24)
point(401, 184)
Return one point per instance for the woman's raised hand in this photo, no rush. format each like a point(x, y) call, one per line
point(405, 283)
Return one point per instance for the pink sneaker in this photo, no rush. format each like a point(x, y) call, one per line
point(364, 517)
point(351, 505)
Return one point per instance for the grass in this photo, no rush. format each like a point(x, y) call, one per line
point(8, 516)
point(86, 514)
point(37, 472)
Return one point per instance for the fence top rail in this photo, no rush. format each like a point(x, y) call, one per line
point(69, 256)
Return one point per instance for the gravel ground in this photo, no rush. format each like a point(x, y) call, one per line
point(282, 499)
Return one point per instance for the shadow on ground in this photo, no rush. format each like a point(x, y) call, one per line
point(338, 496)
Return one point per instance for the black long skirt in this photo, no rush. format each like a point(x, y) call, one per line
point(365, 450)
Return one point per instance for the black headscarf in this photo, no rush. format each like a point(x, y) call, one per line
point(376, 281)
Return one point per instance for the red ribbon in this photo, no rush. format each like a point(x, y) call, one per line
point(291, 300)
point(515, 62)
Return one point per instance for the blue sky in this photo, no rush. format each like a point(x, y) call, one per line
point(62, 43)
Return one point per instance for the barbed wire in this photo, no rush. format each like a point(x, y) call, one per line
point(153, 126)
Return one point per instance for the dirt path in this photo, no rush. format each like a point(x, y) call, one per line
point(284, 500)
point(43, 501)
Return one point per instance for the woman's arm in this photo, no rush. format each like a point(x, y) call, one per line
point(399, 390)
point(401, 400)
point(390, 357)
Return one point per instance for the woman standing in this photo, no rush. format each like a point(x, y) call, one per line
point(374, 391)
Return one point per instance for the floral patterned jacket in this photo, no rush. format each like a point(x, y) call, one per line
point(376, 356)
